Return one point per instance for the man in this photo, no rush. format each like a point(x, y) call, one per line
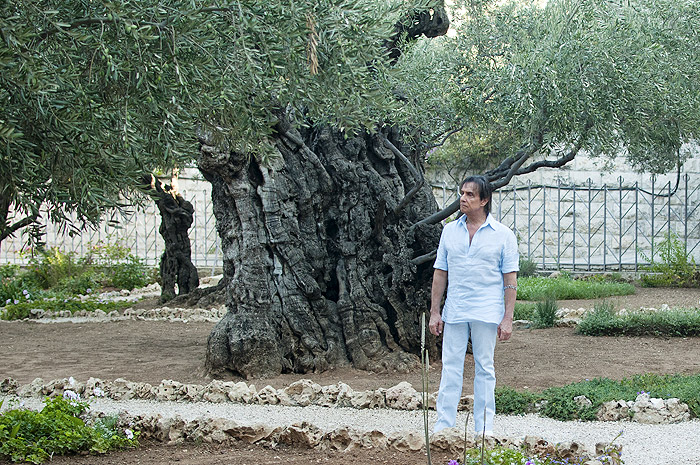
point(480, 256)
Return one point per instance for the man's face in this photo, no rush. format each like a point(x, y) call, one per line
point(469, 200)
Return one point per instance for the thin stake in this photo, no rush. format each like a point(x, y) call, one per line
point(483, 437)
point(424, 376)
point(466, 422)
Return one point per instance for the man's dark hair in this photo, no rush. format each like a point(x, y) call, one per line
point(485, 189)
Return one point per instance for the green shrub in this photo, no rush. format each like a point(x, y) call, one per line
point(562, 288)
point(669, 323)
point(81, 284)
point(51, 267)
point(546, 313)
point(129, 274)
point(527, 267)
point(8, 271)
point(31, 436)
point(118, 267)
point(512, 402)
point(524, 311)
point(674, 269)
point(559, 403)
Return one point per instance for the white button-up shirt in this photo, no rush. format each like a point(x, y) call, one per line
point(475, 272)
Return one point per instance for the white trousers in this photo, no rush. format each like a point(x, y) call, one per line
point(454, 349)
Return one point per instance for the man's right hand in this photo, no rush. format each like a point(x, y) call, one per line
point(435, 324)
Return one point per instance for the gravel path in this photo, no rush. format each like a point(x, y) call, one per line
point(677, 444)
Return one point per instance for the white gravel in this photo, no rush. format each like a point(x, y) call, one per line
point(676, 444)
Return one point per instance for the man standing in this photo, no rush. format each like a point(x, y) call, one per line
point(480, 256)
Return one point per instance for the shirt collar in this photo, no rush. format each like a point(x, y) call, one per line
point(489, 221)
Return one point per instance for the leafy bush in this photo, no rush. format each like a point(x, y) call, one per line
point(674, 269)
point(8, 271)
point(676, 322)
point(561, 288)
point(559, 403)
point(81, 284)
point(512, 402)
point(118, 267)
point(50, 267)
point(129, 274)
point(524, 311)
point(546, 313)
point(527, 267)
point(31, 436)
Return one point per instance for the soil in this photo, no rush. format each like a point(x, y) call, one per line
point(150, 351)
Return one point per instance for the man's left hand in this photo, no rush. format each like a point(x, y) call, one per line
point(505, 329)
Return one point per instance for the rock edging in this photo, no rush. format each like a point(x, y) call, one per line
point(403, 396)
point(176, 430)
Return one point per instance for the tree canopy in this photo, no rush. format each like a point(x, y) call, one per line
point(531, 86)
point(95, 94)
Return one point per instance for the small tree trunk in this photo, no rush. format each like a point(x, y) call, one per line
point(176, 265)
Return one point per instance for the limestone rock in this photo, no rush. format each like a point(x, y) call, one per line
point(405, 441)
point(538, 446)
point(241, 392)
point(345, 394)
point(255, 433)
point(32, 389)
point(168, 390)
point(613, 410)
point(301, 434)
point(570, 450)
point(303, 392)
point(451, 440)
point(217, 391)
point(267, 396)
point(8, 386)
point(403, 397)
point(655, 411)
point(95, 387)
point(369, 399)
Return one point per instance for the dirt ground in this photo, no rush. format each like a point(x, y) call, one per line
point(153, 351)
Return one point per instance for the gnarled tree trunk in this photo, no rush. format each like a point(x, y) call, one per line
point(318, 247)
point(177, 215)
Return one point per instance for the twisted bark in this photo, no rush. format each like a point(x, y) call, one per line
point(319, 262)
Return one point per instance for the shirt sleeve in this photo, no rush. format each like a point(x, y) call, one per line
point(510, 258)
point(441, 258)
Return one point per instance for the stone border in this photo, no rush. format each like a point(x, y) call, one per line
point(403, 396)
point(176, 430)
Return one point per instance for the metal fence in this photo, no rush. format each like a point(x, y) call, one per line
point(588, 227)
point(138, 231)
point(582, 227)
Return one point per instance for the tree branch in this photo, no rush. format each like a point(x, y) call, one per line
point(424, 258)
point(444, 139)
point(419, 177)
point(24, 222)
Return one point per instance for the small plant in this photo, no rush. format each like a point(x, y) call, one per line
point(559, 403)
point(524, 311)
point(50, 267)
point(546, 313)
point(675, 268)
point(527, 267)
point(58, 429)
point(563, 287)
point(603, 321)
